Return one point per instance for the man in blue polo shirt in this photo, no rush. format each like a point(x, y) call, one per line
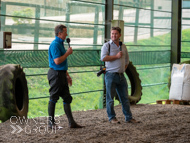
point(59, 78)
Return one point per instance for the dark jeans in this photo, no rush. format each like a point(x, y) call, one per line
point(59, 86)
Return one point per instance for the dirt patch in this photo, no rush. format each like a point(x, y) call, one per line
point(160, 123)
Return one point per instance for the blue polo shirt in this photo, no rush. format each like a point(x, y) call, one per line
point(56, 50)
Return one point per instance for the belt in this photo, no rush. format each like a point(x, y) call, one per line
point(59, 70)
point(62, 71)
point(118, 73)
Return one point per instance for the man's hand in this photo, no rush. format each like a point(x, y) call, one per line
point(69, 80)
point(69, 51)
point(119, 55)
point(112, 58)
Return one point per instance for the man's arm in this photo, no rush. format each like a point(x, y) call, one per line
point(61, 59)
point(105, 54)
point(112, 58)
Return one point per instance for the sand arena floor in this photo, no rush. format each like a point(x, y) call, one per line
point(160, 124)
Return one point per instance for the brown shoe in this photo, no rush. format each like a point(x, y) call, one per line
point(114, 121)
point(75, 125)
point(133, 121)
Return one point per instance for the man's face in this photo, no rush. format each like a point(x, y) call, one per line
point(115, 35)
point(63, 34)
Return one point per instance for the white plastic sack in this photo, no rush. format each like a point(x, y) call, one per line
point(180, 82)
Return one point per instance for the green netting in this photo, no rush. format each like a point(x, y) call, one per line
point(79, 58)
point(150, 57)
point(26, 59)
point(185, 54)
point(39, 58)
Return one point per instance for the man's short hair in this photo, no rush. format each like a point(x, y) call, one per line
point(59, 28)
point(116, 28)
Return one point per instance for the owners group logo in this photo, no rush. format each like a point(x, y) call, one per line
point(32, 125)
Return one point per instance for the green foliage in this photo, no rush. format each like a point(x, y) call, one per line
point(96, 107)
point(185, 45)
point(157, 43)
point(23, 13)
point(161, 40)
point(185, 35)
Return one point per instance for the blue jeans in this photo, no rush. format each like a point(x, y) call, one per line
point(117, 82)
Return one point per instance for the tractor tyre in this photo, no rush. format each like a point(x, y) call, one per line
point(13, 92)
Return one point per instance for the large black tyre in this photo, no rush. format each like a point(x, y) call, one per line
point(13, 92)
point(136, 88)
point(169, 78)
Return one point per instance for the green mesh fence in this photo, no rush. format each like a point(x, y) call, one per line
point(79, 58)
point(27, 59)
point(185, 54)
point(149, 57)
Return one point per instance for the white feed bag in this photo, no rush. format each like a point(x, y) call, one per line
point(180, 82)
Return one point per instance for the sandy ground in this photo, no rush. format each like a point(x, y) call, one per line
point(160, 123)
